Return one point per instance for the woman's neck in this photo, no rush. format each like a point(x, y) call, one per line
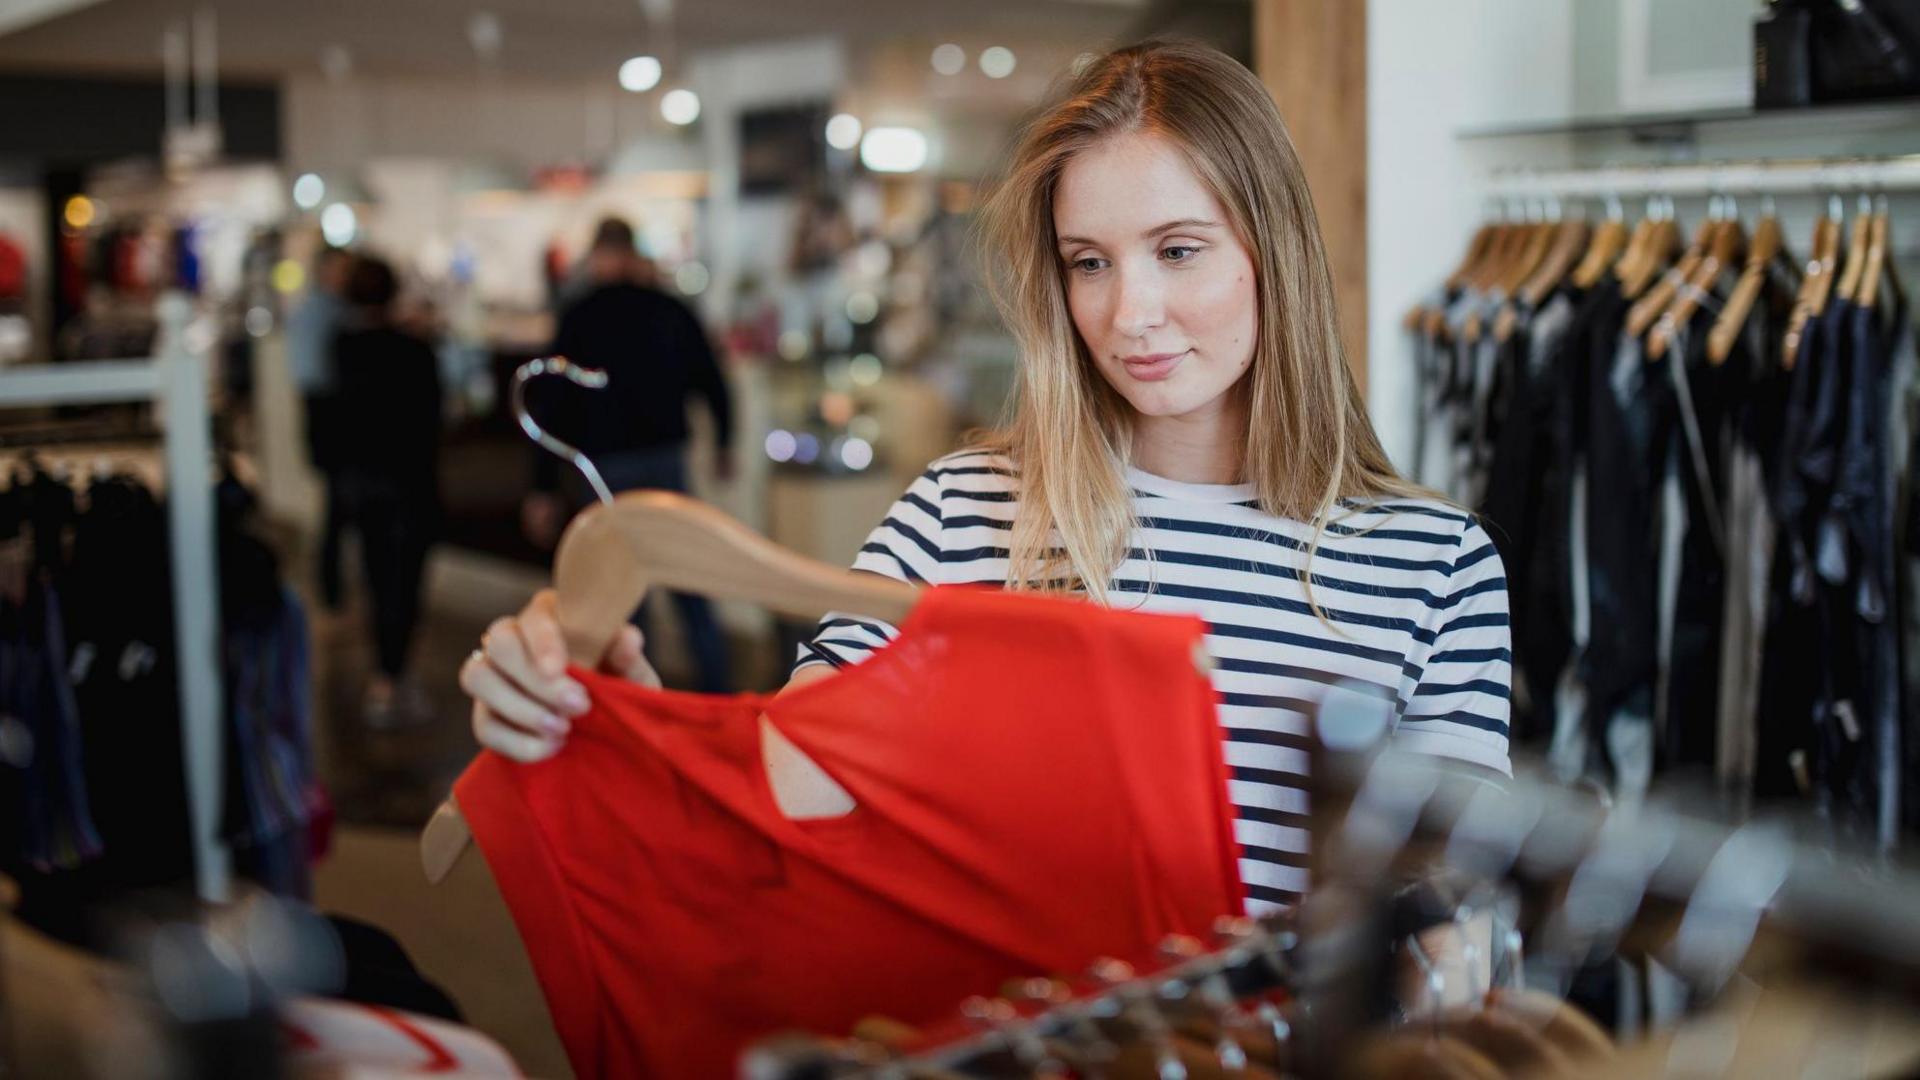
point(1206, 446)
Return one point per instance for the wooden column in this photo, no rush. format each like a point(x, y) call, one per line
point(1312, 54)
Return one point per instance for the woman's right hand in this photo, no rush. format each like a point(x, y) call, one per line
point(523, 699)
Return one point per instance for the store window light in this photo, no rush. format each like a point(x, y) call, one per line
point(865, 370)
point(640, 74)
point(856, 454)
point(806, 448)
point(308, 190)
point(843, 131)
point(862, 307)
point(288, 277)
point(893, 150)
point(781, 445)
point(680, 107)
point(949, 59)
point(997, 62)
point(79, 212)
point(338, 225)
point(691, 278)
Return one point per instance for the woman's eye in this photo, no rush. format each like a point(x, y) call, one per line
point(1087, 265)
point(1178, 253)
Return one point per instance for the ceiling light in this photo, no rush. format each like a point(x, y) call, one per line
point(338, 224)
point(843, 132)
point(893, 150)
point(308, 190)
point(640, 74)
point(949, 59)
point(680, 107)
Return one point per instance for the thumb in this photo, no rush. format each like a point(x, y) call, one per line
point(625, 658)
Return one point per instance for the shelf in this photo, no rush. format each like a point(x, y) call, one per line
point(1682, 123)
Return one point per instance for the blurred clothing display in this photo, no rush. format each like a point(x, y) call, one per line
point(1698, 509)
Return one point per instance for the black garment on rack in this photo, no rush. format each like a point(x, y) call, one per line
point(1862, 504)
point(1625, 410)
point(1526, 509)
point(1706, 396)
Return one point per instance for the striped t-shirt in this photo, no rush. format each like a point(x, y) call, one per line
point(1413, 588)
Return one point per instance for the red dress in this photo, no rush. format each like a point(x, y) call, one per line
point(1039, 783)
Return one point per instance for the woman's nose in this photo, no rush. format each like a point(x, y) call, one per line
point(1141, 306)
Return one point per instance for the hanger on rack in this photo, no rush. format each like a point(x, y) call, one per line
point(1858, 240)
point(1767, 245)
point(1663, 245)
point(1649, 305)
point(1477, 248)
point(1604, 247)
point(1818, 282)
point(1878, 265)
point(1727, 245)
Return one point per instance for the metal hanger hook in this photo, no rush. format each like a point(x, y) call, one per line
point(588, 377)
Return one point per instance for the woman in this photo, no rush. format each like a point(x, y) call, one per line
point(1187, 437)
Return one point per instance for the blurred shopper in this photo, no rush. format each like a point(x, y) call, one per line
point(310, 333)
point(656, 355)
point(389, 404)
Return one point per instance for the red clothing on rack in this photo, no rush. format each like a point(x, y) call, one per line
point(1039, 783)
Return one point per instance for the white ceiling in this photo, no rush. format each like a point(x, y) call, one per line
point(270, 39)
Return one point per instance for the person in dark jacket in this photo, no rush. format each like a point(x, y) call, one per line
point(656, 355)
point(388, 397)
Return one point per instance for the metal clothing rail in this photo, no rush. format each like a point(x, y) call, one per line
point(176, 381)
point(1779, 176)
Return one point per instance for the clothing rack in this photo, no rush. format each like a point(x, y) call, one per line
point(1762, 176)
point(1249, 957)
point(175, 380)
point(1697, 896)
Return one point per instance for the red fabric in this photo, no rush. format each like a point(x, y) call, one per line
point(1039, 783)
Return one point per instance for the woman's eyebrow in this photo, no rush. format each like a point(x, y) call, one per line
point(1183, 223)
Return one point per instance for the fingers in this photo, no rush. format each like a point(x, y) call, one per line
point(509, 702)
point(540, 629)
point(505, 648)
point(626, 658)
point(511, 741)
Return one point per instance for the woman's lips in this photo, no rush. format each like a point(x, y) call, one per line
point(1153, 368)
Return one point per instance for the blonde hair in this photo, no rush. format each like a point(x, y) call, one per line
point(1069, 436)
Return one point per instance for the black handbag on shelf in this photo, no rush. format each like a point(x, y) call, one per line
point(1810, 52)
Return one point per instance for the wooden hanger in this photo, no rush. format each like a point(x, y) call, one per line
point(1637, 244)
point(1729, 243)
point(1529, 247)
point(1877, 264)
point(1565, 245)
point(1767, 244)
point(1570, 244)
point(1603, 247)
point(1815, 286)
point(1483, 239)
point(1857, 242)
point(1662, 239)
point(1649, 306)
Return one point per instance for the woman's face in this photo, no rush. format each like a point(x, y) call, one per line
point(1161, 290)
